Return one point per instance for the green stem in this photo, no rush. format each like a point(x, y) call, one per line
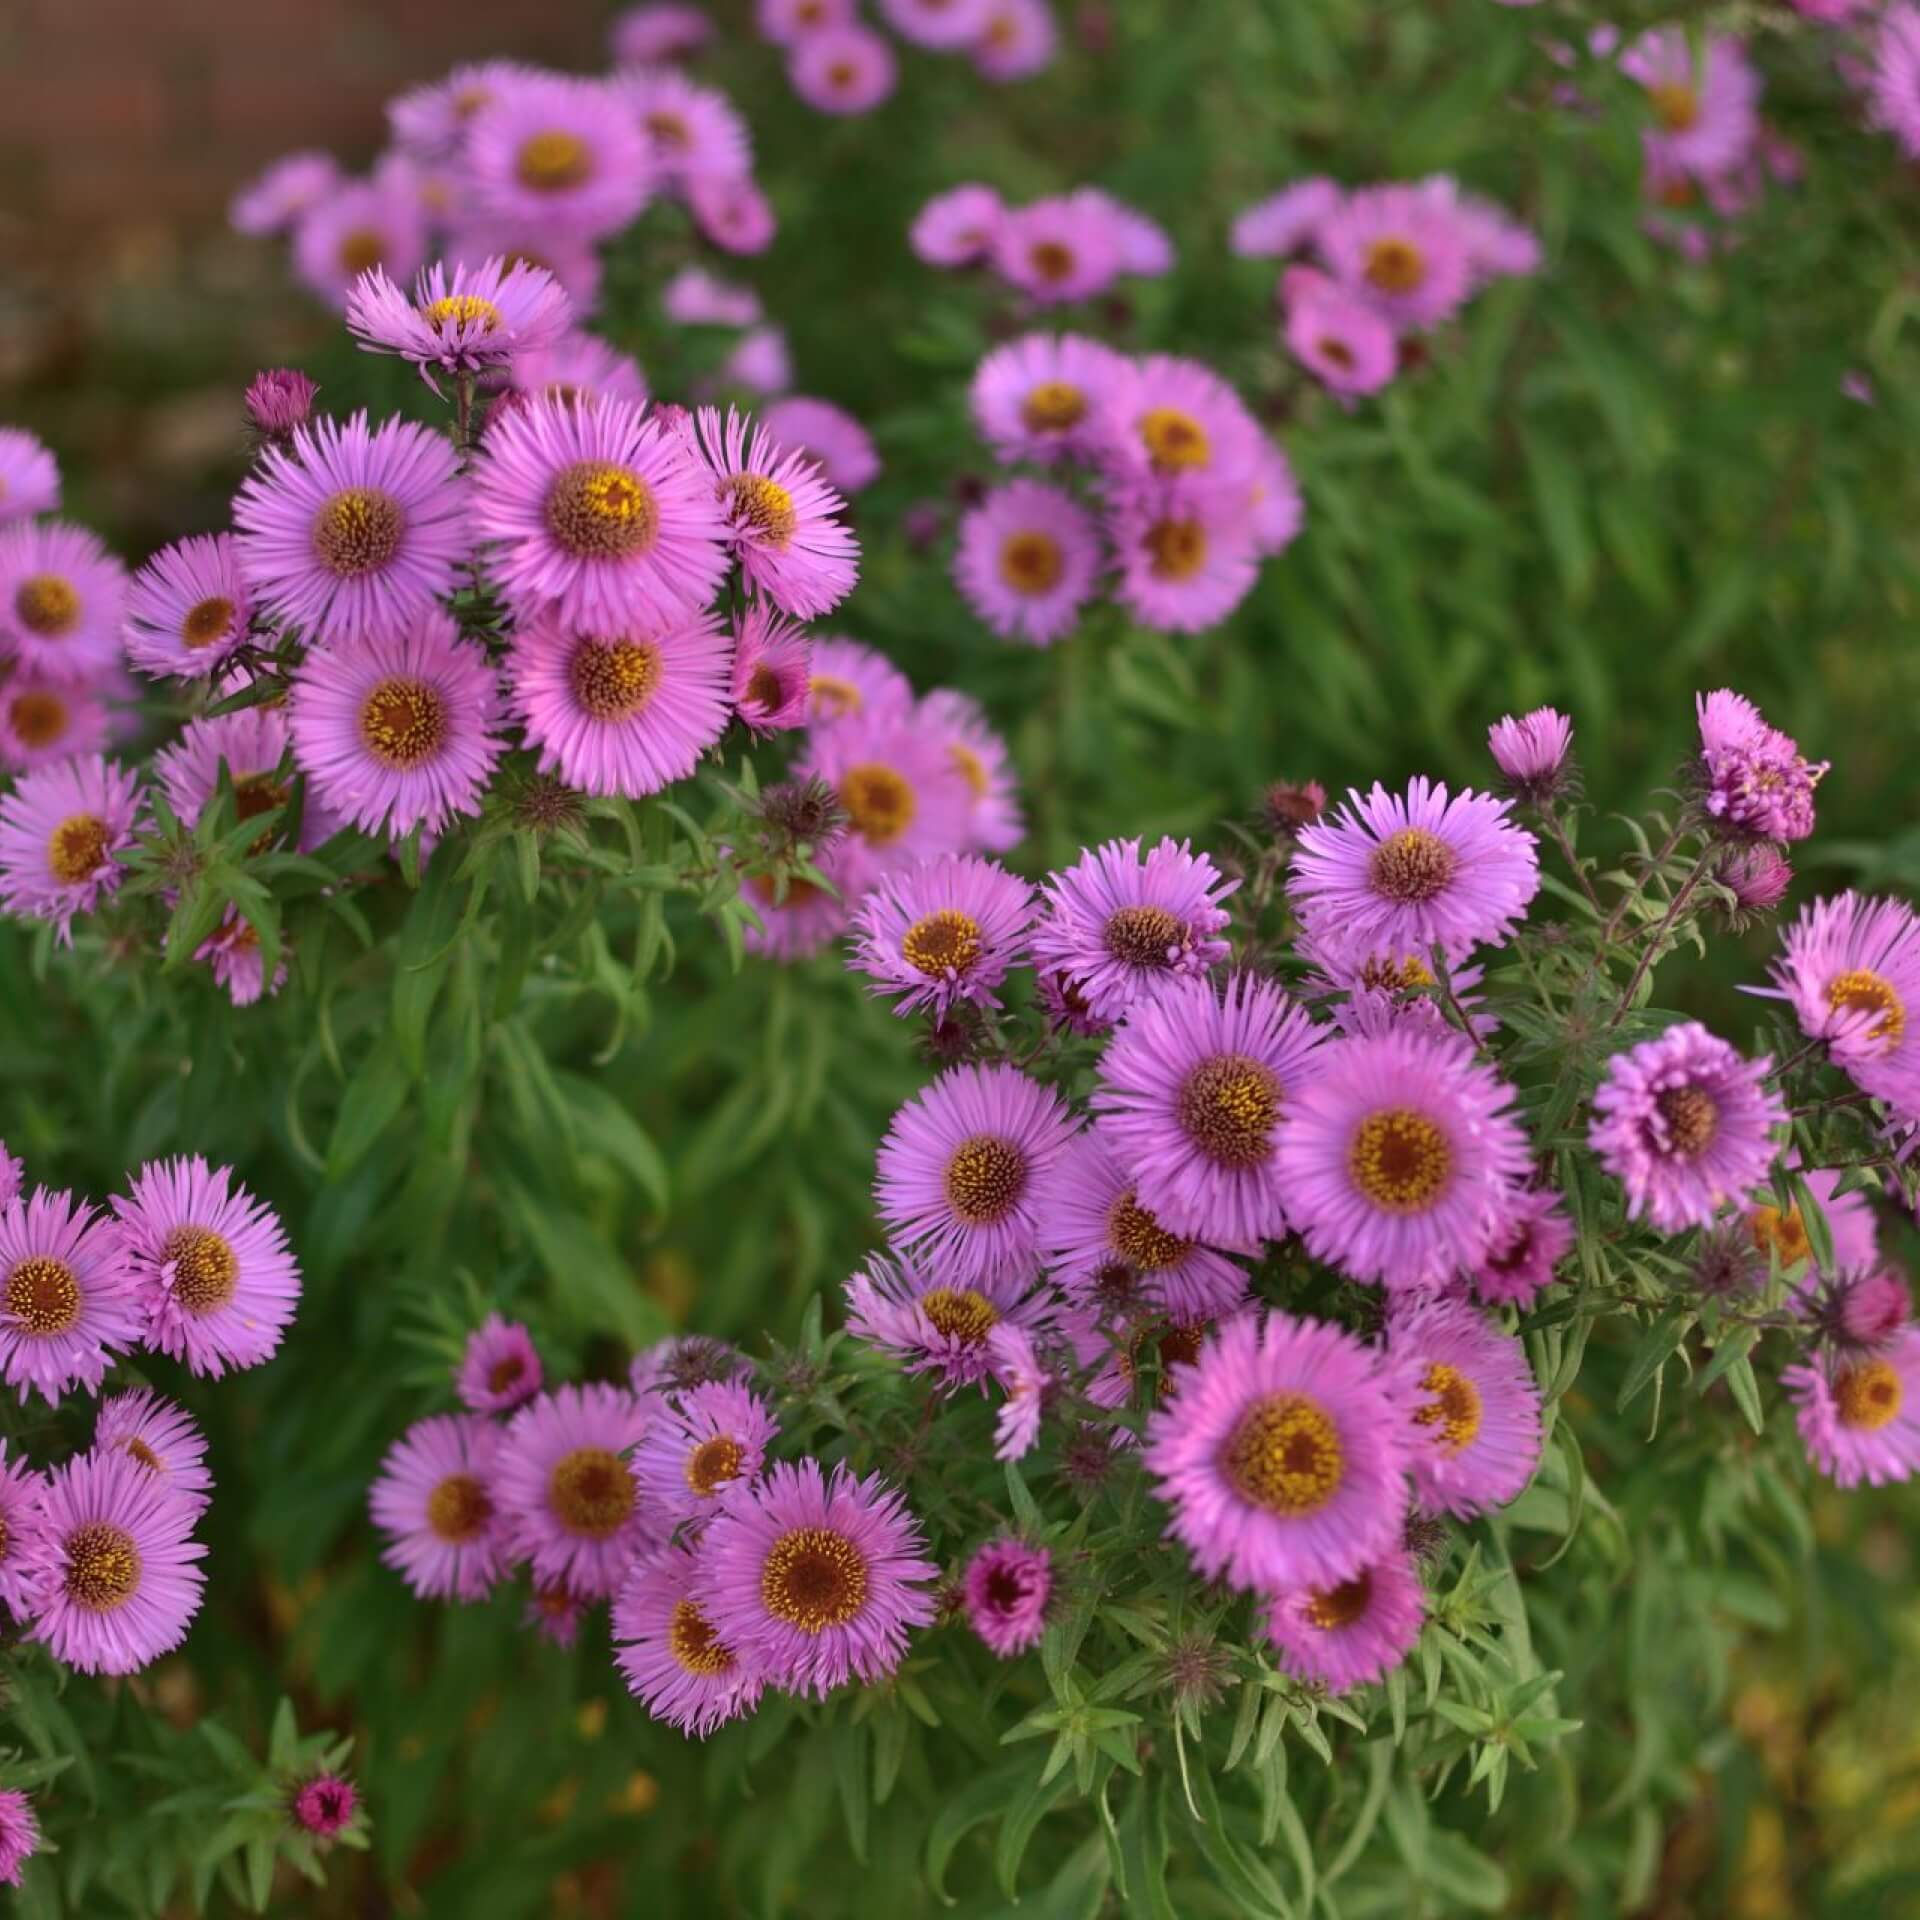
point(1650, 952)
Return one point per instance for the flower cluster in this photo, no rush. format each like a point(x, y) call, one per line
point(1063, 249)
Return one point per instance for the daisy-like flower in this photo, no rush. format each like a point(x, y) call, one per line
point(29, 476)
point(660, 30)
point(1018, 40)
point(814, 1580)
point(905, 797)
point(42, 721)
point(1402, 251)
point(581, 368)
point(215, 1275)
point(398, 731)
point(1474, 1406)
point(830, 435)
point(60, 828)
point(1354, 1631)
point(1122, 925)
point(113, 1582)
point(1757, 783)
point(1190, 1096)
point(62, 597)
point(1337, 336)
point(782, 23)
point(19, 1835)
point(668, 1653)
point(956, 228)
point(1005, 1593)
point(1047, 396)
point(943, 934)
point(958, 1177)
point(691, 131)
point(801, 921)
point(1532, 751)
point(1685, 1124)
point(353, 531)
point(696, 298)
point(274, 198)
point(783, 519)
point(434, 1501)
point(1368, 991)
point(430, 122)
point(558, 152)
point(1178, 420)
point(252, 744)
point(1399, 1159)
point(188, 608)
point(473, 318)
point(622, 714)
point(161, 1436)
point(1285, 223)
point(842, 69)
point(1859, 1416)
point(500, 1369)
point(567, 1490)
point(1409, 873)
point(20, 1524)
point(359, 225)
point(849, 679)
point(600, 517)
point(956, 723)
point(1850, 969)
point(772, 670)
point(731, 214)
point(1281, 1455)
point(1706, 113)
point(1028, 561)
point(1188, 555)
point(324, 1806)
point(1530, 1238)
point(1893, 88)
point(943, 26)
point(699, 1443)
point(1058, 250)
point(940, 1326)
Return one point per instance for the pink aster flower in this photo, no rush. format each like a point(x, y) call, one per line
point(733, 215)
point(622, 715)
point(500, 1369)
point(772, 670)
point(1178, 420)
point(1190, 1097)
point(43, 721)
point(905, 797)
point(1416, 872)
point(212, 1265)
point(1530, 1238)
point(60, 828)
point(19, 1835)
point(1369, 991)
point(324, 1807)
point(830, 435)
point(1402, 251)
point(232, 954)
point(1354, 1631)
point(1685, 1125)
point(692, 131)
point(1474, 1406)
point(699, 1443)
point(668, 1653)
point(944, 26)
point(957, 725)
point(159, 1435)
point(1019, 1369)
point(938, 1325)
point(288, 187)
point(570, 258)
point(1285, 223)
point(188, 608)
point(1058, 250)
point(1859, 1417)
point(252, 745)
point(1028, 561)
point(29, 476)
point(842, 70)
point(958, 1177)
point(1706, 113)
point(1123, 924)
point(957, 228)
point(850, 679)
point(1893, 88)
point(599, 516)
point(399, 731)
point(660, 30)
point(1785, 1237)
point(580, 368)
point(1018, 40)
point(783, 23)
point(1338, 337)
point(1188, 555)
point(1047, 396)
point(1757, 782)
point(1532, 751)
point(558, 152)
point(113, 1583)
point(696, 298)
point(554, 1613)
point(20, 1527)
point(430, 122)
point(1103, 1247)
point(1281, 1455)
point(473, 318)
point(1005, 1592)
point(62, 597)
point(1499, 247)
point(358, 225)
point(945, 933)
point(814, 1580)
point(799, 922)
point(435, 1503)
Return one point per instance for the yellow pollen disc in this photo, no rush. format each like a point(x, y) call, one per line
point(1143, 936)
point(1052, 260)
point(403, 723)
point(1052, 407)
point(207, 621)
point(554, 161)
point(43, 1295)
point(37, 719)
point(591, 1492)
point(358, 532)
point(1868, 1396)
point(764, 505)
point(984, 1179)
point(138, 1449)
point(1384, 972)
point(1784, 1233)
point(691, 1642)
point(712, 1464)
point(669, 130)
point(598, 510)
point(973, 770)
point(832, 697)
point(1031, 562)
point(1692, 1120)
point(1411, 867)
point(77, 848)
point(941, 943)
point(1862, 991)
point(1454, 1408)
point(47, 605)
point(362, 250)
point(1176, 549)
point(1175, 441)
point(614, 679)
point(813, 1578)
point(1331, 1608)
point(458, 1508)
point(961, 1314)
point(1400, 1160)
point(1675, 106)
point(1395, 266)
point(1285, 1455)
point(1140, 1239)
point(879, 802)
point(103, 1566)
point(461, 310)
point(205, 1271)
point(1228, 1108)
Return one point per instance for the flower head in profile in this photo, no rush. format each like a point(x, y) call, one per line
point(772, 670)
point(1474, 1407)
point(1351, 1632)
point(434, 1501)
point(1028, 561)
point(1859, 1414)
point(944, 934)
point(957, 228)
point(283, 190)
point(20, 1525)
point(940, 1326)
point(1755, 781)
point(827, 434)
point(1534, 752)
point(1339, 338)
point(60, 829)
point(558, 153)
point(1531, 1236)
point(1047, 396)
point(1285, 223)
point(580, 369)
point(68, 1303)
point(956, 725)
point(733, 214)
point(459, 322)
point(701, 1442)
point(62, 599)
point(500, 1369)
point(29, 476)
point(673, 1662)
point(19, 1835)
point(161, 1436)
point(1005, 1593)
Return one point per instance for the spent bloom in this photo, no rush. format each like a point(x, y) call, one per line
point(68, 1304)
point(1005, 1593)
point(945, 933)
point(1351, 1632)
point(500, 1369)
point(673, 1662)
point(433, 1500)
point(1756, 783)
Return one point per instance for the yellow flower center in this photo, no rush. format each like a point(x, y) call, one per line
point(879, 802)
point(1675, 105)
point(403, 723)
point(47, 605)
point(1395, 266)
point(973, 770)
point(103, 1566)
point(814, 1578)
point(591, 1492)
point(361, 250)
point(1868, 1397)
point(43, 1294)
point(1863, 991)
point(1031, 562)
point(458, 1508)
point(207, 621)
point(1140, 1239)
point(205, 1269)
point(1174, 440)
point(1454, 1409)
point(832, 697)
point(358, 532)
point(960, 1314)
point(37, 719)
point(137, 1449)
point(941, 943)
point(1785, 1233)
point(614, 679)
point(77, 848)
point(764, 505)
point(1411, 867)
point(690, 1639)
point(1176, 549)
point(1692, 1120)
point(1052, 407)
point(1332, 1608)
point(461, 310)
point(669, 130)
point(1284, 1455)
point(1400, 1160)
point(554, 161)
point(984, 1180)
point(1384, 972)
point(1228, 1107)
point(598, 510)
point(712, 1464)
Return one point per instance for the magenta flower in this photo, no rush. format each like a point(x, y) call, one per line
point(1403, 251)
point(699, 1443)
point(842, 69)
point(849, 679)
point(783, 23)
point(1028, 561)
point(1706, 114)
point(957, 228)
point(1285, 223)
point(188, 608)
point(232, 954)
point(944, 26)
point(905, 796)
point(1757, 783)
point(1369, 991)
point(760, 362)
point(360, 224)
point(21, 1523)
point(1757, 874)
point(159, 1435)
point(19, 1835)
point(1191, 1094)
point(1188, 555)
point(1058, 250)
point(1281, 1455)
point(1018, 1368)
point(286, 188)
point(252, 745)
point(692, 132)
point(732, 214)
point(1685, 1125)
point(1337, 336)
point(772, 670)
point(29, 476)
point(44, 721)
point(1530, 1238)
point(815, 1580)
point(500, 1369)
point(1018, 40)
point(1047, 396)
point(943, 934)
point(660, 30)
point(956, 724)
point(434, 1501)
point(324, 1806)
point(113, 1583)
point(1005, 1592)
point(1353, 1632)
point(1475, 1408)
point(559, 153)
point(696, 298)
point(62, 597)
point(554, 1613)
point(278, 399)
point(1860, 1417)
point(430, 122)
point(1175, 419)
point(1532, 751)
point(830, 434)
point(60, 828)
point(68, 1305)
point(475, 318)
point(668, 1653)
point(938, 1325)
